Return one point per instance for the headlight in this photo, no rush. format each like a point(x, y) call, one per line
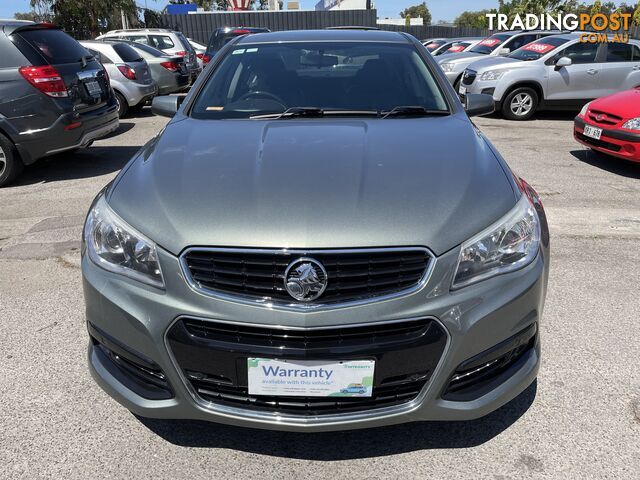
point(507, 245)
point(447, 67)
point(117, 247)
point(585, 109)
point(493, 75)
point(633, 124)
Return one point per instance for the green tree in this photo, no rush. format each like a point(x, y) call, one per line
point(33, 16)
point(416, 11)
point(476, 19)
point(636, 15)
point(86, 18)
point(596, 8)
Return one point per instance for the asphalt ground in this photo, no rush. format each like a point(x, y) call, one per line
point(581, 419)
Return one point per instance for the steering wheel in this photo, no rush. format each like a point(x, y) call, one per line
point(263, 94)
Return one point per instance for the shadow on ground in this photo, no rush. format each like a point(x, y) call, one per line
point(86, 163)
point(611, 164)
point(345, 445)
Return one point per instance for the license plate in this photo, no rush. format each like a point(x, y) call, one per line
point(93, 88)
point(302, 378)
point(592, 132)
point(463, 90)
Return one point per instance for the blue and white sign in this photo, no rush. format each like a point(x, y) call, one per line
point(310, 378)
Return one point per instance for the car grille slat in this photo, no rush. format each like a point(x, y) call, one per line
point(309, 339)
point(352, 275)
point(383, 396)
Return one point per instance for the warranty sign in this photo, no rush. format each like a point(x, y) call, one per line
point(310, 378)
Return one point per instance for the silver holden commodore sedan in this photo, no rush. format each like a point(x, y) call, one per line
point(319, 239)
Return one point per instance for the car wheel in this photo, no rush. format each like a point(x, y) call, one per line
point(10, 164)
point(520, 104)
point(123, 106)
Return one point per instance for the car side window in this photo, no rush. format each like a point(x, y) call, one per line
point(99, 56)
point(519, 41)
point(161, 42)
point(579, 53)
point(622, 52)
point(138, 38)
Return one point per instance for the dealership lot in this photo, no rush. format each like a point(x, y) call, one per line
point(581, 419)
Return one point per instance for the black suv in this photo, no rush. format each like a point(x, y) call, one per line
point(224, 35)
point(54, 96)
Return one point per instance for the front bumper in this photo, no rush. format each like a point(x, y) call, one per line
point(475, 319)
point(59, 138)
point(618, 143)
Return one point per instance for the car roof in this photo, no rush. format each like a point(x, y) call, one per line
point(326, 36)
point(141, 30)
point(10, 26)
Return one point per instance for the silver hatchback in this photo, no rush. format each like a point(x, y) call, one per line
point(558, 72)
point(128, 74)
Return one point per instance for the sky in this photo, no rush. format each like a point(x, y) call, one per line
point(440, 9)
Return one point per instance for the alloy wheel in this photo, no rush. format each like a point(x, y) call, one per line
point(3, 161)
point(521, 104)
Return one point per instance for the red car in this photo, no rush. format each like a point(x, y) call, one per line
point(611, 125)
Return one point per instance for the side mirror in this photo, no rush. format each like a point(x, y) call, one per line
point(166, 105)
point(477, 104)
point(504, 52)
point(563, 62)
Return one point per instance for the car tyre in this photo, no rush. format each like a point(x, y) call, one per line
point(123, 106)
point(11, 165)
point(520, 104)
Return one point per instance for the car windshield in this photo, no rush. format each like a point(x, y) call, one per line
point(262, 79)
point(488, 45)
point(434, 44)
point(537, 49)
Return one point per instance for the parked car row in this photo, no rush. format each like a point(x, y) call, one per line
point(534, 70)
point(440, 46)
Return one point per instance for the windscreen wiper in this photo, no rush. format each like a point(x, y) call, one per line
point(291, 112)
point(410, 110)
point(314, 112)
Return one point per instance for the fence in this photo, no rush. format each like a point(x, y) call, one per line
point(422, 32)
point(200, 26)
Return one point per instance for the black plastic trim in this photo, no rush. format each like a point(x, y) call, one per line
point(617, 134)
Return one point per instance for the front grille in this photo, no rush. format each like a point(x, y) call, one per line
point(384, 396)
point(308, 339)
point(603, 118)
point(599, 143)
point(213, 359)
point(351, 274)
point(469, 77)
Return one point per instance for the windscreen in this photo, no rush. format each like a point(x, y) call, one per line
point(537, 49)
point(488, 45)
point(55, 46)
point(434, 44)
point(126, 52)
point(263, 79)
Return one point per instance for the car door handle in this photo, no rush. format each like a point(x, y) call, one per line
point(592, 71)
point(636, 67)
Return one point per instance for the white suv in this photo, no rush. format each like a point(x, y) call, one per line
point(169, 41)
point(558, 72)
